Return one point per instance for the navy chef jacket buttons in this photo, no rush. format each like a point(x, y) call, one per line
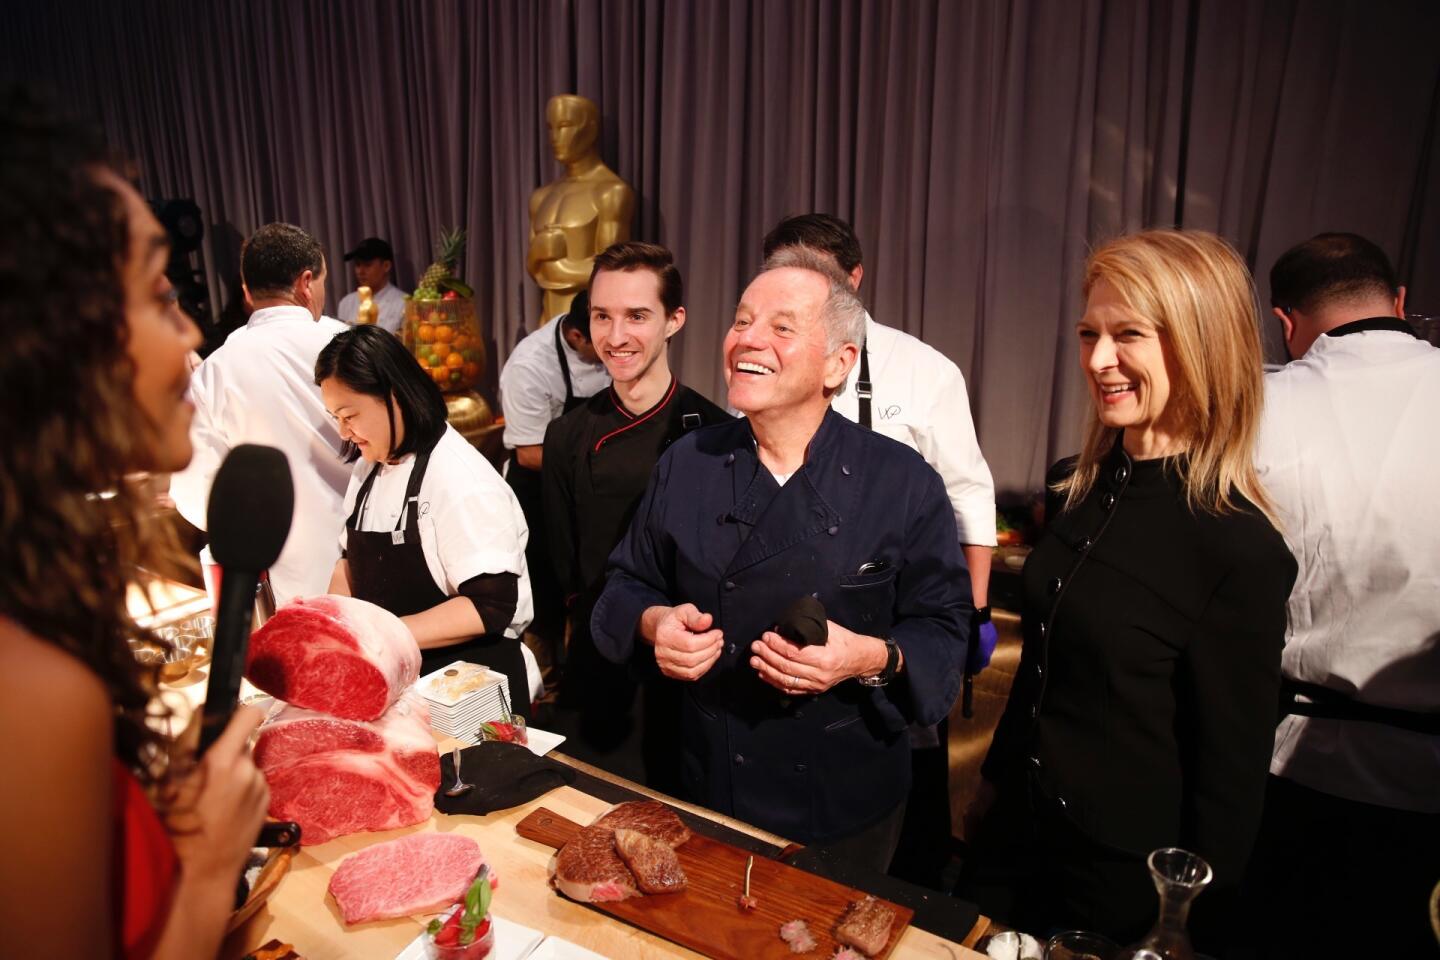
point(1107, 502)
point(730, 649)
point(729, 584)
point(833, 530)
point(730, 459)
point(739, 760)
point(845, 470)
point(1055, 584)
point(800, 768)
point(1122, 472)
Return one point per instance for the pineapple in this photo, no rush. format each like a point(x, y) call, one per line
point(448, 249)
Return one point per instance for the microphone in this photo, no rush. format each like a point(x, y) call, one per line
point(251, 503)
point(803, 623)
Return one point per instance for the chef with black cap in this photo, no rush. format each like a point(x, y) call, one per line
point(374, 262)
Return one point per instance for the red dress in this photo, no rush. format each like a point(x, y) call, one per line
point(145, 868)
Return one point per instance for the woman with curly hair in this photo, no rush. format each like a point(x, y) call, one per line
point(1153, 610)
point(116, 843)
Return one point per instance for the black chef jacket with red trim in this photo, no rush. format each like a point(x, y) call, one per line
point(597, 462)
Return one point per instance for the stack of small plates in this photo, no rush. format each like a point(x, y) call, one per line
point(462, 696)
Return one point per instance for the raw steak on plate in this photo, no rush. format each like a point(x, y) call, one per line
point(419, 874)
point(338, 655)
point(335, 776)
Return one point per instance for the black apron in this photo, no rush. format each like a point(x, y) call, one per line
point(549, 622)
point(388, 569)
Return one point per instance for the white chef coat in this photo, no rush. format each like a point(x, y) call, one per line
point(391, 303)
point(532, 389)
point(1350, 452)
point(918, 397)
point(470, 522)
point(259, 387)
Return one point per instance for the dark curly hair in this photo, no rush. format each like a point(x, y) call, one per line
point(74, 529)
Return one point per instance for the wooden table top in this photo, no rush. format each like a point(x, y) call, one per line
point(302, 913)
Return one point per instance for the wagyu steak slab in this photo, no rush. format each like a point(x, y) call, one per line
point(335, 777)
point(337, 655)
point(419, 874)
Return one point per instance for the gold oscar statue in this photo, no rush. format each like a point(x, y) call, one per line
point(368, 311)
point(577, 216)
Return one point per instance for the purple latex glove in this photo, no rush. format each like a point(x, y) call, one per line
point(982, 647)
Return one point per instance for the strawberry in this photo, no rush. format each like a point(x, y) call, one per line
point(449, 935)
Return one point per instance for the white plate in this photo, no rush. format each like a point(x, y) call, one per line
point(553, 948)
point(543, 741)
point(512, 941)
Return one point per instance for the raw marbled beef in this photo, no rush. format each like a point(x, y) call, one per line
point(338, 655)
point(419, 874)
point(335, 776)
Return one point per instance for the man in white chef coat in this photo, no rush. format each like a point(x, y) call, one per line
point(550, 372)
point(374, 264)
point(911, 392)
point(1350, 453)
point(259, 387)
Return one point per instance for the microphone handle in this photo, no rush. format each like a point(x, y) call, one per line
point(233, 618)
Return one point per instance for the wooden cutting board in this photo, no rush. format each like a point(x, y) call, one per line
point(706, 917)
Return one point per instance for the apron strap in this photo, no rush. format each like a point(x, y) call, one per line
point(412, 494)
point(564, 363)
point(361, 498)
point(863, 386)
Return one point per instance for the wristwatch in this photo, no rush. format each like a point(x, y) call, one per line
point(892, 660)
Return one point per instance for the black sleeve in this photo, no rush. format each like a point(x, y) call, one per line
point(1230, 682)
point(495, 596)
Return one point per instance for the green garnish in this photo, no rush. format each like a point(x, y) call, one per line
point(435, 927)
point(477, 904)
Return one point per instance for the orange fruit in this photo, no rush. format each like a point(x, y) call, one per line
point(472, 370)
point(454, 360)
point(441, 375)
point(461, 342)
point(426, 333)
point(444, 333)
point(440, 351)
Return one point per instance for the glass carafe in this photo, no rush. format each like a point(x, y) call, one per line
point(1179, 877)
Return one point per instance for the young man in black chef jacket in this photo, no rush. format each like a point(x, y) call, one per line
point(596, 463)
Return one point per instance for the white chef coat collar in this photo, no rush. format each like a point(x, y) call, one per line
point(286, 311)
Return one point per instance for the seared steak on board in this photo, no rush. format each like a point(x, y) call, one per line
point(589, 868)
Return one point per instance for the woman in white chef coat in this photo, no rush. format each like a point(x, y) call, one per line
point(434, 535)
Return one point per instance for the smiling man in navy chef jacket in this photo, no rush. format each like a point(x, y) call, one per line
point(742, 519)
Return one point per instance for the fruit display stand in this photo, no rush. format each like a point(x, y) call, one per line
point(444, 336)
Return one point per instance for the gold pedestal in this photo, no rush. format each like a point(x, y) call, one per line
point(473, 419)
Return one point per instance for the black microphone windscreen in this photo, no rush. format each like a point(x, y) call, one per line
point(251, 504)
point(803, 622)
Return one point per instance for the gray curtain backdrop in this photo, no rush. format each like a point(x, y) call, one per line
point(980, 148)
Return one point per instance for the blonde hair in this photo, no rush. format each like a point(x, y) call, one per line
point(1195, 289)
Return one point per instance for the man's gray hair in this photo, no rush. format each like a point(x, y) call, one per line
point(842, 313)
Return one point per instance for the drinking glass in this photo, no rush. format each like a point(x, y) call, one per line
point(1080, 945)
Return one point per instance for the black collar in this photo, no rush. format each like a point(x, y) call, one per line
point(1394, 324)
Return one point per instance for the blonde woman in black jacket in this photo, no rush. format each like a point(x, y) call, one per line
point(1143, 713)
